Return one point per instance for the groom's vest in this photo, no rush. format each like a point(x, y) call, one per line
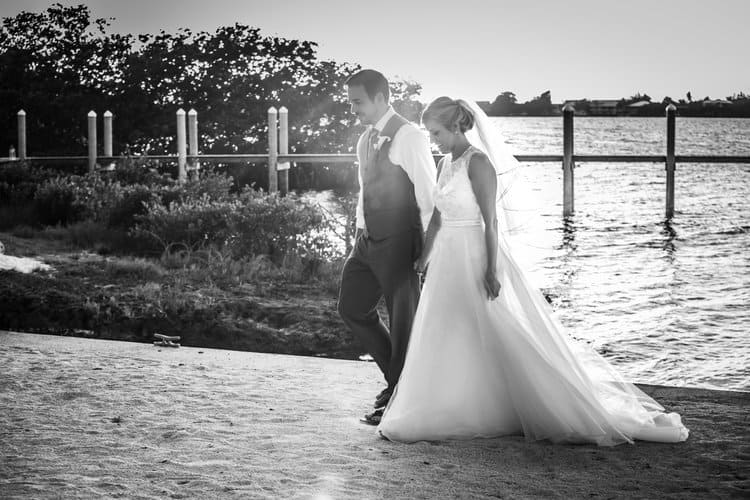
point(390, 206)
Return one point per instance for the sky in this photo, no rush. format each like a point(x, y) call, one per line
point(475, 49)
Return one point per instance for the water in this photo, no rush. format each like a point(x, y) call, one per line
point(666, 302)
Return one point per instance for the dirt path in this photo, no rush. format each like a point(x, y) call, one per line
point(87, 418)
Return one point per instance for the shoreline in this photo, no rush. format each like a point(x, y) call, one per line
point(142, 421)
point(649, 388)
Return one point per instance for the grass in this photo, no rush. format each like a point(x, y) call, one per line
point(136, 267)
point(207, 297)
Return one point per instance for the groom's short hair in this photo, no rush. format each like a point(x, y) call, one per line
point(373, 82)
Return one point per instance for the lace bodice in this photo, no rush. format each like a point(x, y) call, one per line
point(454, 196)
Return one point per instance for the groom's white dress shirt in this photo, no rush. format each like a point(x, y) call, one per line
point(411, 151)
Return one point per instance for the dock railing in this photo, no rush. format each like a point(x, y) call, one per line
point(279, 160)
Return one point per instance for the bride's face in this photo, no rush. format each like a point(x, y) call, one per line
point(440, 136)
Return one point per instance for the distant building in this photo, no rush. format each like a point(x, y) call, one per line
point(635, 107)
point(606, 107)
point(484, 106)
point(717, 102)
point(575, 104)
point(639, 104)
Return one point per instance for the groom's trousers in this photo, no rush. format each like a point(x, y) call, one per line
point(376, 269)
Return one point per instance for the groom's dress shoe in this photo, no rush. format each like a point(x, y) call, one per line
point(383, 398)
point(373, 418)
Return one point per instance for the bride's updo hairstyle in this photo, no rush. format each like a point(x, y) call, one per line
point(449, 113)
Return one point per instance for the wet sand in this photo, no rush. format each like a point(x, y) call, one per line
point(87, 418)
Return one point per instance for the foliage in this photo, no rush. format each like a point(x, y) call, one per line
point(506, 104)
point(134, 202)
point(185, 226)
point(250, 224)
point(140, 170)
point(55, 202)
point(269, 224)
point(59, 64)
point(19, 182)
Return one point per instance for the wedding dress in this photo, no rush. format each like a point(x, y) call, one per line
point(481, 368)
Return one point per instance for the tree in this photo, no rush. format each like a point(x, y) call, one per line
point(58, 65)
point(540, 105)
point(503, 105)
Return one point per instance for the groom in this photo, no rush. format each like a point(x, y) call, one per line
point(396, 178)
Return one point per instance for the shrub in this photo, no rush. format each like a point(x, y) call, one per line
point(78, 198)
point(19, 183)
point(140, 170)
point(252, 224)
point(20, 180)
point(270, 225)
point(213, 185)
point(189, 225)
point(134, 202)
point(55, 202)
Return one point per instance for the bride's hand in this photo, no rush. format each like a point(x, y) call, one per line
point(492, 285)
point(420, 265)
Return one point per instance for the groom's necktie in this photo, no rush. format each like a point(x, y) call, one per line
point(372, 140)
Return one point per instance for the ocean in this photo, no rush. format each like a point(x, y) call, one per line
point(667, 302)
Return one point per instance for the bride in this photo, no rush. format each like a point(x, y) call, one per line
point(486, 357)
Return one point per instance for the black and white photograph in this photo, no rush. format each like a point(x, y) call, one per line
point(374, 250)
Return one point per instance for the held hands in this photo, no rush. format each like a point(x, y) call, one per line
point(491, 284)
point(420, 266)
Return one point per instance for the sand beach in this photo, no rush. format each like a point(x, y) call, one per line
point(89, 418)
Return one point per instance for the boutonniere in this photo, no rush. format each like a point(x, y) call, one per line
point(382, 139)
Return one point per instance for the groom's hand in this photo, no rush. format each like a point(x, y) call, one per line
point(420, 266)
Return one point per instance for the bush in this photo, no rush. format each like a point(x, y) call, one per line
point(133, 203)
point(252, 224)
point(55, 202)
point(19, 182)
point(199, 224)
point(23, 177)
point(64, 200)
point(189, 226)
point(270, 225)
point(213, 185)
point(140, 170)
point(43, 197)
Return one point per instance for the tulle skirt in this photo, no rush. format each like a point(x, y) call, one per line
point(481, 368)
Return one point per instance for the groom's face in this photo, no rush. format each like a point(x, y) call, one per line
point(366, 109)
